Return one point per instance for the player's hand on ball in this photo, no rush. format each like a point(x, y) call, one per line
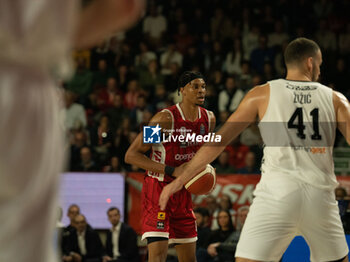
point(167, 191)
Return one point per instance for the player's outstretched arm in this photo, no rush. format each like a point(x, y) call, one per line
point(342, 110)
point(101, 18)
point(136, 152)
point(246, 113)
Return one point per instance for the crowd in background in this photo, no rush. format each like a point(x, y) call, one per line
point(121, 83)
point(218, 227)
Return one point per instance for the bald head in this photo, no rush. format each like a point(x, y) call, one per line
point(298, 50)
point(80, 223)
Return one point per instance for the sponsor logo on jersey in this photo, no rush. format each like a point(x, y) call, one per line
point(161, 215)
point(160, 225)
point(151, 134)
point(182, 157)
point(301, 88)
point(312, 150)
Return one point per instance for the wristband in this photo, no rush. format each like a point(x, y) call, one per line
point(169, 170)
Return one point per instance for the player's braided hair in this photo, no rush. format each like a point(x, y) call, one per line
point(187, 77)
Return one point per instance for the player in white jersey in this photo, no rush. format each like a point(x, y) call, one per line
point(36, 38)
point(295, 196)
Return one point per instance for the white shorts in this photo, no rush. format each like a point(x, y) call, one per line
point(31, 157)
point(285, 208)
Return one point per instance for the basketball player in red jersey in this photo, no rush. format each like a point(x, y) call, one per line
point(176, 224)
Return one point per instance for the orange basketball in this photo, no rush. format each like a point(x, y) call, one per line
point(203, 183)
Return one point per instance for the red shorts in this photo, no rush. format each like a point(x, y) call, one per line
point(177, 222)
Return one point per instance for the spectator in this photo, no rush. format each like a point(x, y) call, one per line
point(245, 21)
point(199, 23)
point(343, 203)
point(220, 235)
point(221, 26)
point(214, 59)
point(322, 8)
point(121, 244)
point(125, 57)
point(203, 230)
point(130, 98)
point(117, 112)
point(234, 58)
point(154, 27)
point(261, 55)
point(150, 78)
point(101, 75)
point(231, 96)
point(111, 90)
point(217, 80)
point(123, 77)
point(223, 166)
point(340, 193)
point(84, 243)
point(237, 152)
point(74, 113)
point(160, 99)
point(250, 165)
point(268, 19)
point(102, 97)
point(183, 39)
point(169, 57)
point(136, 115)
point(170, 80)
point(193, 58)
point(87, 164)
point(245, 79)
point(225, 251)
point(279, 36)
point(269, 72)
point(121, 142)
point(102, 52)
point(73, 211)
point(144, 57)
point(212, 205)
point(79, 141)
point(81, 82)
point(250, 41)
point(101, 138)
point(225, 203)
point(326, 38)
point(114, 166)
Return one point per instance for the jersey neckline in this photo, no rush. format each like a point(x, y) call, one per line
point(183, 116)
point(302, 81)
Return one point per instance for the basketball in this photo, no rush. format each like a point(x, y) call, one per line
point(203, 183)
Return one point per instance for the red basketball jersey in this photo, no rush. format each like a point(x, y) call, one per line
point(174, 151)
